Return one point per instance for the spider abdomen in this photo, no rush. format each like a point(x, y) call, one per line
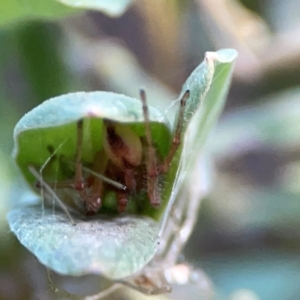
point(122, 145)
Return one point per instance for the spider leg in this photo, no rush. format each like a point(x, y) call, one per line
point(122, 200)
point(78, 184)
point(152, 171)
point(93, 192)
point(90, 193)
point(130, 182)
point(164, 167)
point(90, 196)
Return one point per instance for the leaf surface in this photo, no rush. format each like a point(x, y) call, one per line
point(115, 247)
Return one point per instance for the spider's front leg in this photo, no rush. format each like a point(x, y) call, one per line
point(154, 169)
point(164, 167)
point(151, 163)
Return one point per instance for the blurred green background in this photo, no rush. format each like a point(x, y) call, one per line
point(247, 238)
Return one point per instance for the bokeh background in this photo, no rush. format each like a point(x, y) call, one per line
point(247, 238)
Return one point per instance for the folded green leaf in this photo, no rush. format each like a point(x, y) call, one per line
point(46, 139)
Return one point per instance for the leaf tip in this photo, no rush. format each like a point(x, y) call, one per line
point(222, 56)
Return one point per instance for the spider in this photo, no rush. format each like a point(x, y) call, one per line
point(126, 165)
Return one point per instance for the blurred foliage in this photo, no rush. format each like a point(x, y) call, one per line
point(21, 10)
point(53, 77)
point(112, 8)
point(16, 10)
point(247, 238)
